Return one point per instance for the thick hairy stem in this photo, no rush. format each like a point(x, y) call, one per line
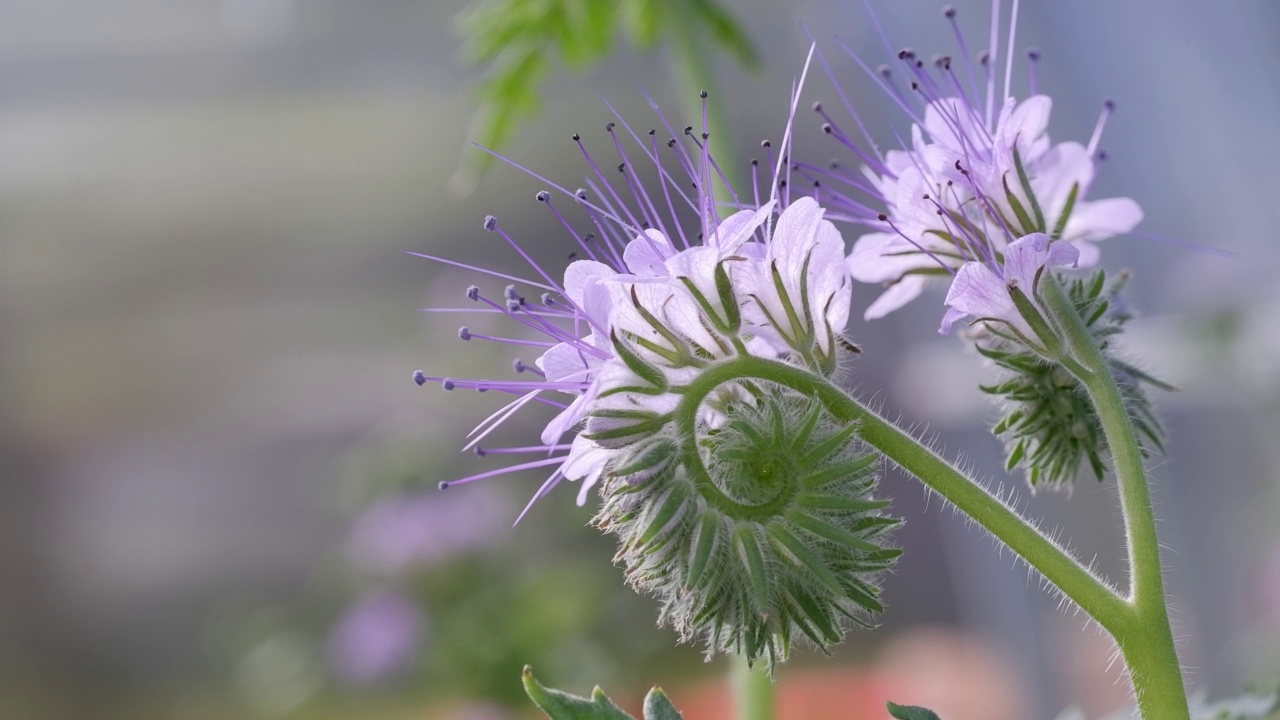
point(1054, 563)
point(1144, 637)
point(753, 697)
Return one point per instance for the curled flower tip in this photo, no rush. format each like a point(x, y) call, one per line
point(419, 378)
point(756, 533)
point(1050, 428)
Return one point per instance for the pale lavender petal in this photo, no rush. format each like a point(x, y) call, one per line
point(1101, 219)
point(898, 294)
point(647, 254)
point(979, 292)
point(738, 227)
point(1023, 259)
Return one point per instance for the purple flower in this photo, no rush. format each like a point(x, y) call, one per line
point(983, 290)
point(979, 172)
point(650, 283)
point(377, 639)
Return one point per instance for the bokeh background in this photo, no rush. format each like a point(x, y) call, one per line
point(217, 482)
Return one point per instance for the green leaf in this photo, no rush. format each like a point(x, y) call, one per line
point(563, 706)
point(911, 712)
point(658, 707)
point(726, 31)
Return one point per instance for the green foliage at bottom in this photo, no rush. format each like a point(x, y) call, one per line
point(560, 705)
point(911, 712)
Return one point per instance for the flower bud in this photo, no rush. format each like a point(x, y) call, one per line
point(755, 532)
point(1050, 427)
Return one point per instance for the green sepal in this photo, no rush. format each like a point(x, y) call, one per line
point(1026, 188)
point(647, 372)
point(911, 712)
point(560, 705)
point(657, 706)
point(727, 299)
point(1060, 226)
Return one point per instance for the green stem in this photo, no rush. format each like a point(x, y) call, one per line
point(1055, 564)
point(752, 691)
point(1145, 638)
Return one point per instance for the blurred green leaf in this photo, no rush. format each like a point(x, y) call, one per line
point(563, 706)
point(519, 39)
point(911, 712)
point(726, 31)
point(658, 707)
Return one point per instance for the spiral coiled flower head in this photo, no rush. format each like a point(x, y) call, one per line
point(755, 532)
point(1050, 427)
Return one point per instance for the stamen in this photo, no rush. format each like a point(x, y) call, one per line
point(419, 378)
point(1108, 107)
point(1033, 65)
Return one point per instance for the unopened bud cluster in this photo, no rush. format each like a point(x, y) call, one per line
point(1050, 427)
point(754, 533)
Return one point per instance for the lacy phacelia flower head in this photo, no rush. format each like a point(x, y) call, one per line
point(671, 282)
point(979, 172)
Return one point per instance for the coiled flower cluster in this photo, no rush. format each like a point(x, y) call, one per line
point(753, 533)
point(1050, 427)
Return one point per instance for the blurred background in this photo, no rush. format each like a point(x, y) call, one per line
point(217, 482)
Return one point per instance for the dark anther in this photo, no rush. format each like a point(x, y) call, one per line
point(766, 144)
point(652, 132)
point(755, 162)
point(949, 11)
point(576, 137)
point(490, 223)
point(479, 451)
point(419, 378)
point(447, 383)
point(580, 193)
point(547, 299)
point(473, 292)
point(915, 85)
point(688, 129)
point(622, 167)
point(703, 94)
point(543, 196)
point(882, 217)
point(782, 183)
point(1033, 54)
point(706, 135)
point(572, 256)
point(817, 107)
point(817, 184)
point(1102, 155)
point(464, 333)
point(834, 164)
point(984, 57)
point(884, 71)
point(1109, 105)
point(609, 127)
point(826, 128)
point(443, 486)
point(671, 143)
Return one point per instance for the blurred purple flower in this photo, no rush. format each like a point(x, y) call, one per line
point(413, 530)
point(377, 639)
